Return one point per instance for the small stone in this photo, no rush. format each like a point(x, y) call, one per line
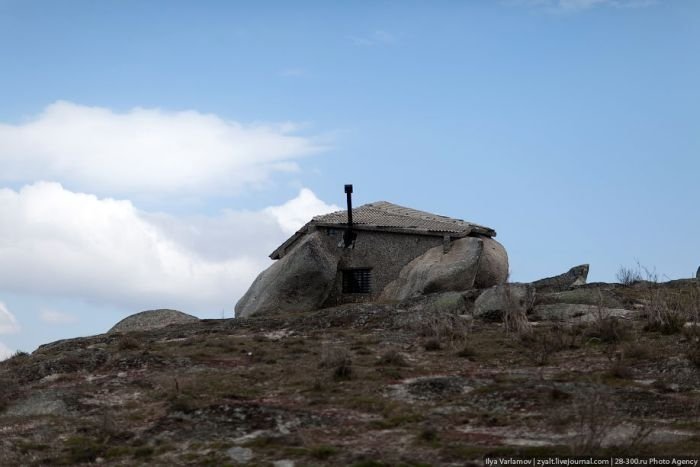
point(51, 378)
point(240, 455)
point(283, 463)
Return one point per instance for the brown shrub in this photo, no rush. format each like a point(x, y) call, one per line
point(444, 328)
point(543, 343)
point(127, 342)
point(609, 329)
point(467, 352)
point(620, 369)
point(338, 359)
point(392, 358)
point(432, 345)
point(693, 353)
point(9, 389)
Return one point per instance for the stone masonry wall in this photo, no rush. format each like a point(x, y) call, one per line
point(386, 253)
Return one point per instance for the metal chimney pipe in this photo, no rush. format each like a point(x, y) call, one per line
point(349, 234)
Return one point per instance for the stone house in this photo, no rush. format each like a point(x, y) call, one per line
point(385, 253)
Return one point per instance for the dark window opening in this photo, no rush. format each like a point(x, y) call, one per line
point(357, 281)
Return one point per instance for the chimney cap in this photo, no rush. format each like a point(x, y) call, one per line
point(348, 188)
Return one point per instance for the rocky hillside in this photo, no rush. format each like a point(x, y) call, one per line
point(594, 369)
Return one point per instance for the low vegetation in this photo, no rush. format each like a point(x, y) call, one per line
point(376, 386)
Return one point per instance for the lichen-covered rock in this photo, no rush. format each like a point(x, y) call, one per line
point(438, 271)
point(39, 403)
point(152, 319)
point(301, 280)
point(458, 303)
point(493, 265)
point(493, 302)
point(577, 312)
point(602, 296)
point(573, 277)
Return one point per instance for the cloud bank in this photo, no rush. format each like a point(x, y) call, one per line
point(58, 242)
point(8, 322)
point(57, 317)
point(5, 352)
point(8, 325)
point(147, 151)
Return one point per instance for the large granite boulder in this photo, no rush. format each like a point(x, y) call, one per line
point(573, 277)
point(494, 302)
point(152, 319)
point(300, 280)
point(493, 265)
point(697, 274)
point(437, 270)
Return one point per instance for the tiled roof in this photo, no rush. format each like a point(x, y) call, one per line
point(384, 216)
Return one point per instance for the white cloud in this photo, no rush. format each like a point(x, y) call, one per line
point(57, 242)
point(296, 212)
point(57, 317)
point(146, 151)
point(8, 322)
point(377, 37)
point(5, 352)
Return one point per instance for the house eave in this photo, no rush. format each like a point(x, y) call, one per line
point(474, 229)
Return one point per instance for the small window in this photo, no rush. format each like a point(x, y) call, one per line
point(357, 280)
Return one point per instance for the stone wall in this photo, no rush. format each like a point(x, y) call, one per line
point(385, 253)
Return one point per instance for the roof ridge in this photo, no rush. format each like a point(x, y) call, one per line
point(411, 212)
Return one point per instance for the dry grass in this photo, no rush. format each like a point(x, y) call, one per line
point(338, 360)
point(661, 315)
point(514, 316)
point(443, 330)
point(606, 328)
point(544, 342)
point(629, 275)
point(594, 418)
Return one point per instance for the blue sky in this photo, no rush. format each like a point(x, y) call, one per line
point(152, 153)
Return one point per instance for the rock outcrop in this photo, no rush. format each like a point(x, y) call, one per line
point(582, 313)
point(573, 277)
point(494, 302)
point(493, 264)
point(299, 281)
point(152, 319)
point(470, 262)
point(438, 271)
point(587, 295)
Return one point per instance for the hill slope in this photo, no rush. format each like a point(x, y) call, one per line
point(360, 385)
